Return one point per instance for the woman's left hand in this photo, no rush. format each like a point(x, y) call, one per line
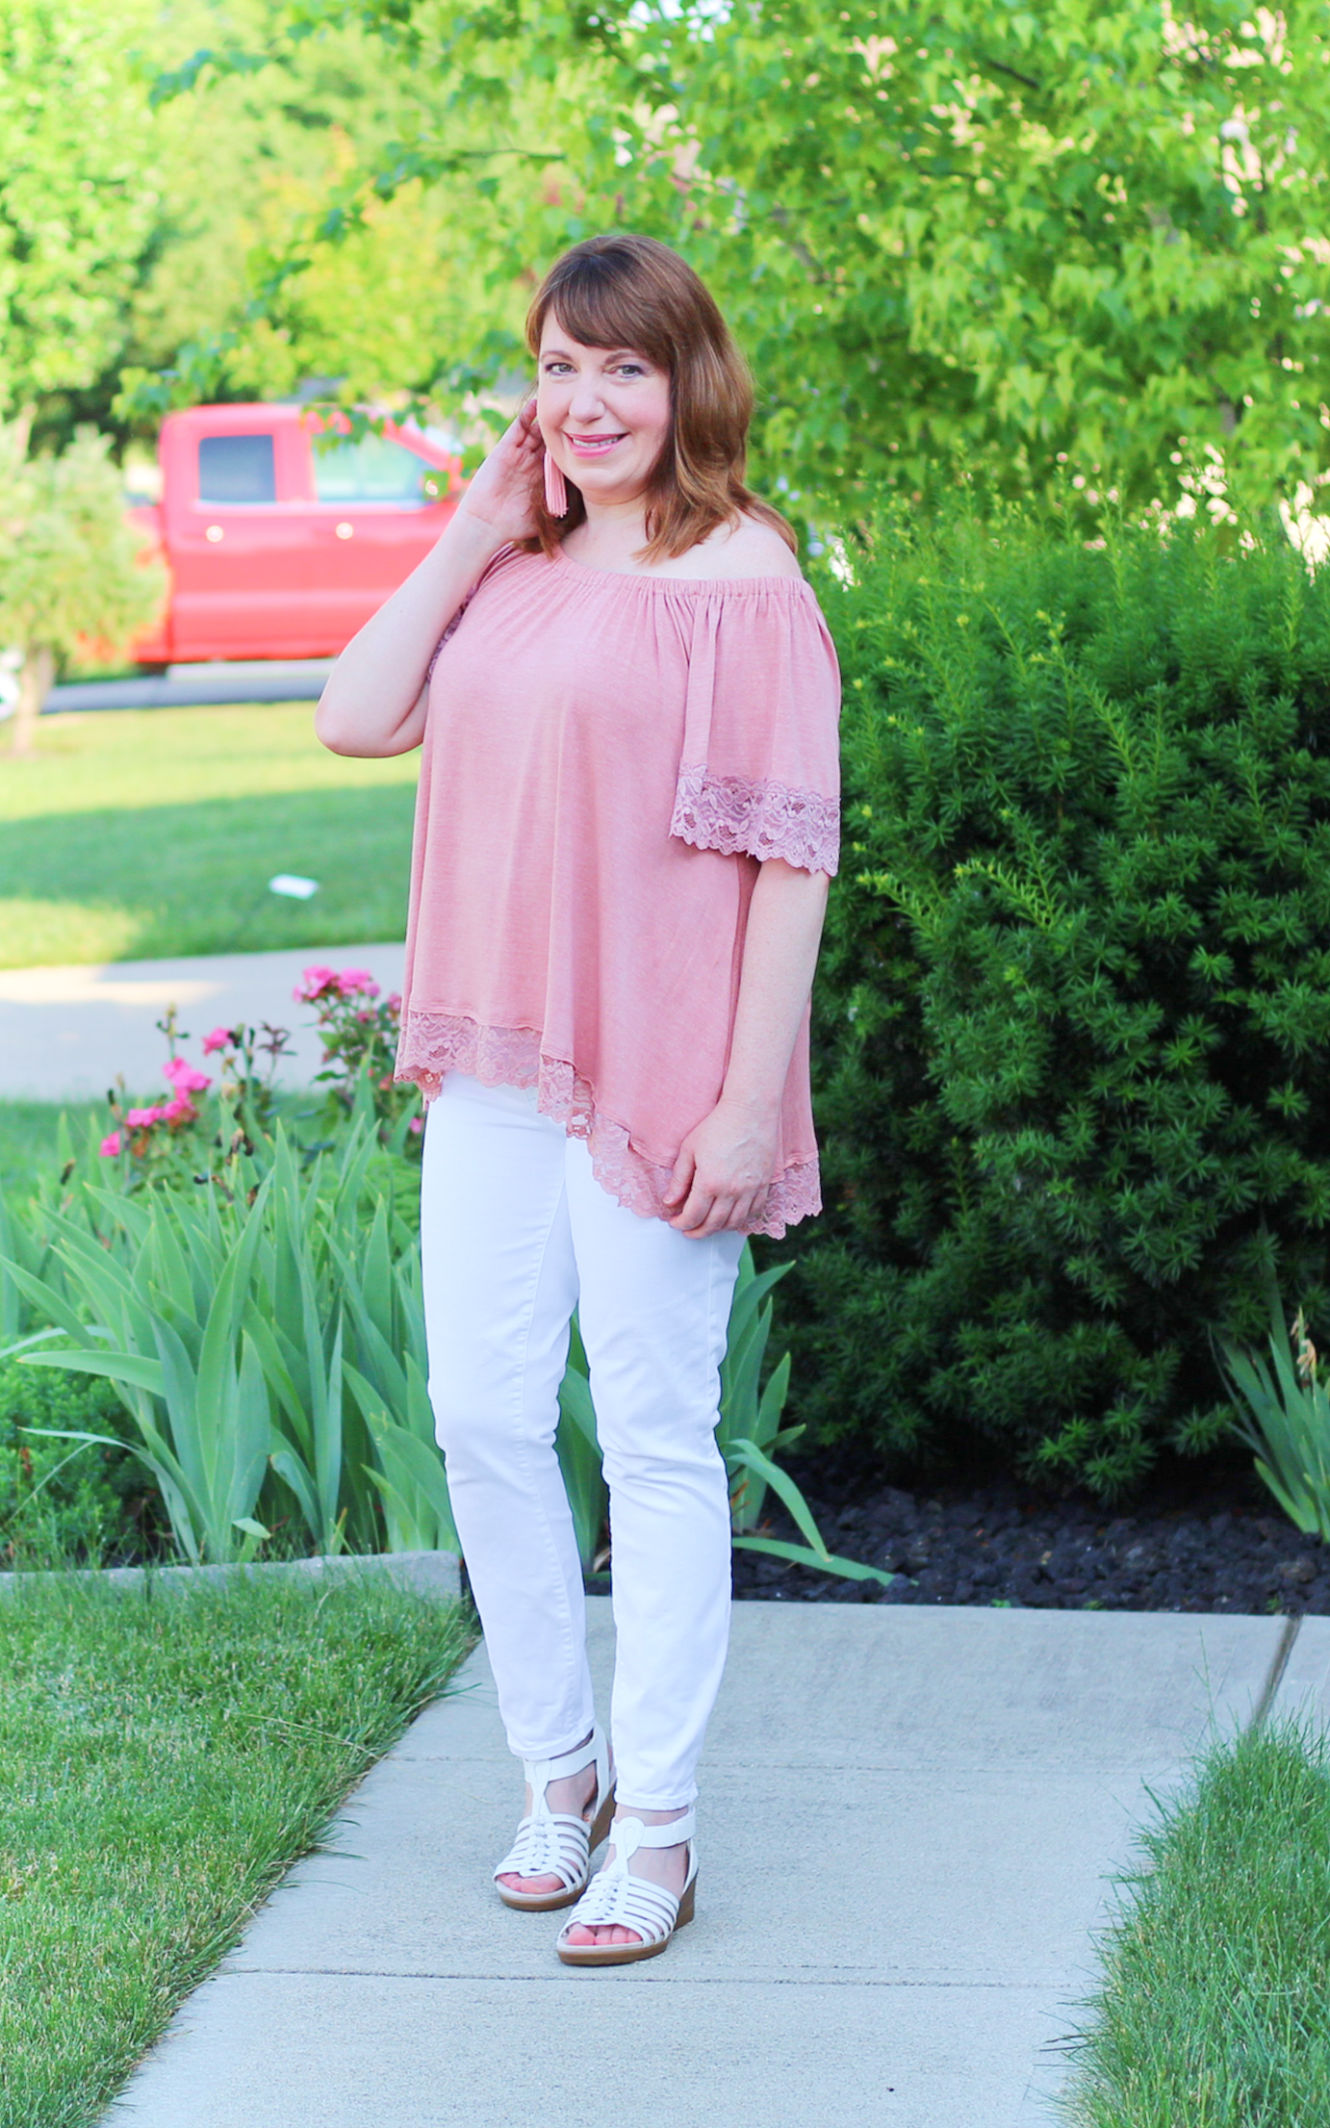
point(723, 1172)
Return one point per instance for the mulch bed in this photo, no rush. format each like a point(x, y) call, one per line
point(1217, 1543)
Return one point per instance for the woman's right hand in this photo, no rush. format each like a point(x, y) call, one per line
point(499, 493)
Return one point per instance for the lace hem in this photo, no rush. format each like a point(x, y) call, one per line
point(732, 814)
point(435, 1043)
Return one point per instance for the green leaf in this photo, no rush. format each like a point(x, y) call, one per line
point(822, 1561)
point(750, 1456)
point(115, 1366)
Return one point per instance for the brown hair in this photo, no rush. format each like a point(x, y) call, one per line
point(630, 291)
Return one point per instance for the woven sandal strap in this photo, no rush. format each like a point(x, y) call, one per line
point(547, 1827)
point(552, 1845)
point(612, 1901)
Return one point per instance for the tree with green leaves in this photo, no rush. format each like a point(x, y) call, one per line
point(1042, 243)
point(77, 199)
point(379, 312)
point(71, 571)
point(129, 230)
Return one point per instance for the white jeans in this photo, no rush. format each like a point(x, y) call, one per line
point(516, 1232)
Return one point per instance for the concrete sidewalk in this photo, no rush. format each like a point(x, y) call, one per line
point(180, 686)
point(906, 1822)
point(66, 1032)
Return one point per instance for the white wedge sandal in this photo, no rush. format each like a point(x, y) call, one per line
point(558, 1843)
point(617, 1899)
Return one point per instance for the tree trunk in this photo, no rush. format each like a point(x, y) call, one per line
point(34, 684)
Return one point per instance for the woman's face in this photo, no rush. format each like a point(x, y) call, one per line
point(604, 414)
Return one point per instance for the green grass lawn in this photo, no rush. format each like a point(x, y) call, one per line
point(162, 1762)
point(29, 1138)
point(139, 834)
point(1214, 2010)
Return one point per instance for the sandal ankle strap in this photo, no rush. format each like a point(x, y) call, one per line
point(628, 1833)
point(538, 1773)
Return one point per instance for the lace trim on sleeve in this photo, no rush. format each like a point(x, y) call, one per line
point(434, 1043)
point(732, 814)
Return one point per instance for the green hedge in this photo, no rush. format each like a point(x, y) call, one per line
point(61, 1503)
point(1071, 1038)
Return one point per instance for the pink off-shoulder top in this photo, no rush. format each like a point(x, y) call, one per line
point(607, 760)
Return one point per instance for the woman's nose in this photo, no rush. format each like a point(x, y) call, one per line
point(586, 403)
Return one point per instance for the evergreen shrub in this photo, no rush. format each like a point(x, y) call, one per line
point(59, 1502)
point(1074, 1003)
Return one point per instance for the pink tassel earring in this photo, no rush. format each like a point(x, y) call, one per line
point(556, 489)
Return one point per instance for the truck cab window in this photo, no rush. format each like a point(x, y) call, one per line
point(369, 469)
point(237, 469)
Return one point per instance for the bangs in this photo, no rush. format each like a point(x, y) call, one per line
point(598, 305)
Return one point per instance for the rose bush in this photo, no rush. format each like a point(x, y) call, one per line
point(165, 1136)
point(181, 1137)
point(359, 1028)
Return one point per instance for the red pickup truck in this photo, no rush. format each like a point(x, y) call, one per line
point(282, 533)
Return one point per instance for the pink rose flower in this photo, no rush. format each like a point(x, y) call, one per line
point(144, 1118)
point(416, 1126)
point(314, 984)
point(353, 981)
point(110, 1146)
point(393, 1001)
point(181, 1110)
point(184, 1077)
point(220, 1038)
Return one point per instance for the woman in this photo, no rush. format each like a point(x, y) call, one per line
point(627, 819)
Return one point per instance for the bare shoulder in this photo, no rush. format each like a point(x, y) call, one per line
point(748, 548)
